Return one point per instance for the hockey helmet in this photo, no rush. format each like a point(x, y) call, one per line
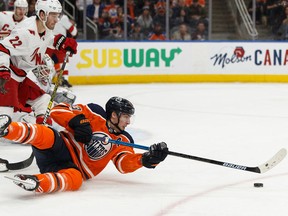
point(21, 3)
point(119, 105)
point(48, 6)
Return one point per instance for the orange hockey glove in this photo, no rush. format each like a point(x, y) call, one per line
point(157, 153)
point(82, 128)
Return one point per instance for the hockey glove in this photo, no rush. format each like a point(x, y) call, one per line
point(4, 77)
point(40, 120)
point(65, 44)
point(157, 153)
point(82, 128)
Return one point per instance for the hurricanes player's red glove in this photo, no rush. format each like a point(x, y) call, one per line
point(4, 77)
point(65, 44)
point(40, 120)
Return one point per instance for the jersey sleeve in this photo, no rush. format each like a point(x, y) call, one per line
point(63, 113)
point(68, 25)
point(127, 161)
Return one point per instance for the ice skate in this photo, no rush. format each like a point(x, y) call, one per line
point(27, 182)
point(5, 121)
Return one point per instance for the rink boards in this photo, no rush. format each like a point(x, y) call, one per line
point(169, 62)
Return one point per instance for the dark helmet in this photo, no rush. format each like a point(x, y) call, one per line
point(119, 105)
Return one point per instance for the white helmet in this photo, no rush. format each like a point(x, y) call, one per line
point(48, 6)
point(21, 3)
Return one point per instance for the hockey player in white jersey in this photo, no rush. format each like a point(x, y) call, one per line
point(65, 26)
point(35, 91)
point(24, 49)
point(9, 19)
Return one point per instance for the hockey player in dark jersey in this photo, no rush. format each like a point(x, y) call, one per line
point(68, 157)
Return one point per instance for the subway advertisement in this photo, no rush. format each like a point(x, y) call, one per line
point(144, 62)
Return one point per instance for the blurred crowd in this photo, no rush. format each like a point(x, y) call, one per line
point(274, 15)
point(146, 19)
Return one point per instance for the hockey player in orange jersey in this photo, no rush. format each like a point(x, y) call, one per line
point(68, 157)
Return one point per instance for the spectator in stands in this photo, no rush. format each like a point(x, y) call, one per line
point(145, 21)
point(200, 33)
point(10, 5)
point(182, 18)
point(79, 11)
point(160, 16)
point(201, 2)
point(137, 34)
point(94, 10)
point(157, 33)
point(259, 10)
point(120, 20)
point(2, 5)
point(116, 33)
point(182, 33)
point(131, 9)
point(196, 13)
point(31, 8)
point(112, 10)
point(142, 3)
point(282, 33)
point(274, 8)
point(179, 5)
point(105, 25)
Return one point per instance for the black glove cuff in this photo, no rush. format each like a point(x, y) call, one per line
point(60, 41)
point(78, 120)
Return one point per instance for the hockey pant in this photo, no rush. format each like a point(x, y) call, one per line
point(58, 172)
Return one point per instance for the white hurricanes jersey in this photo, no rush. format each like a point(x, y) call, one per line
point(25, 47)
point(65, 25)
point(7, 23)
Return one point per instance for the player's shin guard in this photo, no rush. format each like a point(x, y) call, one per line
point(64, 180)
point(37, 135)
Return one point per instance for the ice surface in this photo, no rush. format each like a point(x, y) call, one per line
point(238, 123)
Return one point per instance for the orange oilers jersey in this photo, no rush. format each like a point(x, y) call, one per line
point(92, 158)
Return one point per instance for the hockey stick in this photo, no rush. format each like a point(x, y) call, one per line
point(49, 107)
point(26, 163)
point(276, 159)
point(5, 165)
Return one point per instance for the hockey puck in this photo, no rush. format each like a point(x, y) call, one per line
point(258, 185)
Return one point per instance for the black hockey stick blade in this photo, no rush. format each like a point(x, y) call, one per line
point(276, 159)
point(6, 166)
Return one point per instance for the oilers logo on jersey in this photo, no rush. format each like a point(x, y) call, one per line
point(97, 149)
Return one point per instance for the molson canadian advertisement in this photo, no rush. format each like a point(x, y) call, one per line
point(142, 62)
